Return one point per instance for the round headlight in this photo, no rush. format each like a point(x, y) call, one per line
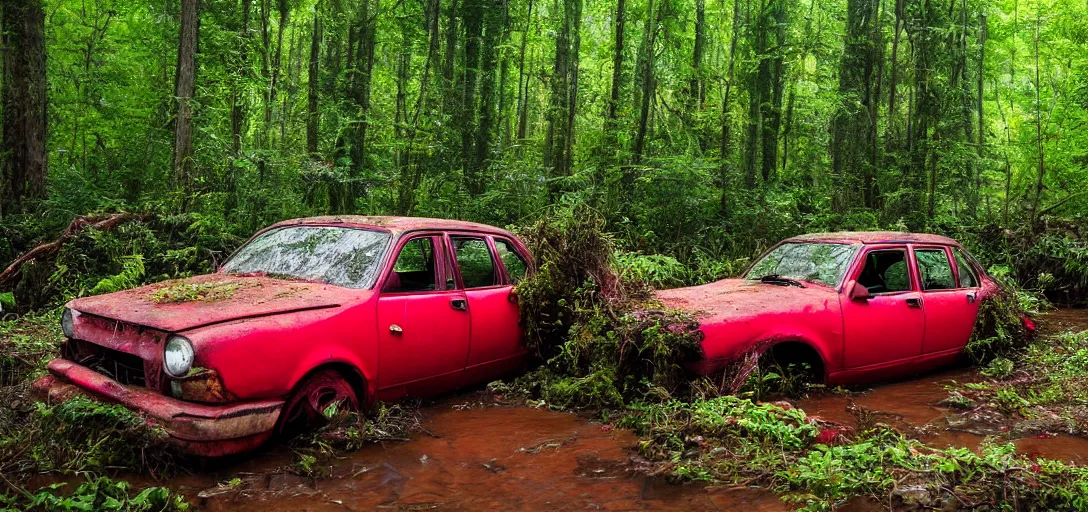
point(177, 357)
point(67, 323)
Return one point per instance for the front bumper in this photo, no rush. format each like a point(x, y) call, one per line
point(199, 429)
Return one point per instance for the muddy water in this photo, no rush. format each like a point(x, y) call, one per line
point(913, 407)
point(477, 458)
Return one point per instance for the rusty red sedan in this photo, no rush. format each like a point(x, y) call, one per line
point(849, 307)
point(307, 313)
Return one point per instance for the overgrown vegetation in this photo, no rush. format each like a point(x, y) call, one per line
point(603, 339)
point(349, 431)
point(100, 494)
point(736, 440)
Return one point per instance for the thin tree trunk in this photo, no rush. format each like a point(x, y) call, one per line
point(1040, 173)
point(184, 85)
point(313, 117)
point(726, 147)
point(523, 78)
point(697, 91)
point(237, 111)
point(612, 115)
point(646, 89)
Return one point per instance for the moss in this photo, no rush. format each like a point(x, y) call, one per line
point(181, 291)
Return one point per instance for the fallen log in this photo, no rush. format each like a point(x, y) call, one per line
point(11, 274)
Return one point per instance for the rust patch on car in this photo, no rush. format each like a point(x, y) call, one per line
point(203, 385)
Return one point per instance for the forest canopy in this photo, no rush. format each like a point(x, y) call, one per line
point(701, 130)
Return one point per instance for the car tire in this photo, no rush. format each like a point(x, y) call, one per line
point(306, 407)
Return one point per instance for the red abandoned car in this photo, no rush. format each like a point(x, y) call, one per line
point(849, 307)
point(307, 313)
point(348, 309)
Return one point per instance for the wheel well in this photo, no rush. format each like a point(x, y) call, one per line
point(795, 352)
point(350, 373)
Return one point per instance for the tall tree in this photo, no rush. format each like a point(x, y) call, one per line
point(612, 115)
point(851, 134)
point(184, 86)
point(313, 117)
point(23, 154)
point(725, 149)
point(564, 90)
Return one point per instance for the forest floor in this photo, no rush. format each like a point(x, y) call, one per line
point(478, 449)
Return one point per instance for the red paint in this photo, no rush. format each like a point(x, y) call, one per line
point(858, 340)
point(265, 337)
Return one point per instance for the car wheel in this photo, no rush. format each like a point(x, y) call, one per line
point(312, 397)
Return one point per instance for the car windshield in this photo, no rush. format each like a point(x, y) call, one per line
point(347, 257)
point(812, 262)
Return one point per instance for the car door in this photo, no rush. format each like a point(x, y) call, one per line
point(889, 325)
point(423, 323)
point(949, 297)
point(484, 267)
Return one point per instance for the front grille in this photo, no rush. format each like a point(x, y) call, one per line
point(124, 368)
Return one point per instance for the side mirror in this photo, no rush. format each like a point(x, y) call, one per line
point(857, 291)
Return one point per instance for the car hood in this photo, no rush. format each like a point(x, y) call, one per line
point(184, 304)
point(737, 299)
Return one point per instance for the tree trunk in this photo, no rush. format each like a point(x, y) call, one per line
point(772, 75)
point(313, 117)
point(851, 136)
point(564, 84)
point(645, 93)
point(491, 40)
point(695, 86)
point(523, 78)
point(474, 25)
point(23, 158)
point(612, 115)
point(726, 147)
point(237, 110)
point(184, 85)
point(1040, 162)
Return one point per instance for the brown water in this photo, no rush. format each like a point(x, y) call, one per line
point(477, 458)
point(912, 406)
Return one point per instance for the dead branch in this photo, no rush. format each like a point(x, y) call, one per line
point(10, 275)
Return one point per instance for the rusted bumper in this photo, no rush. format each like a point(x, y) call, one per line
point(206, 430)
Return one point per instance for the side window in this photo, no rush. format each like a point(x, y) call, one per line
point(474, 260)
point(934, 270)
point(968, 276)
point(885, 271)
point(515, 266)
point(414, 269)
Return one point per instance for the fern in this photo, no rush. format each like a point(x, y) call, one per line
point(132, 270)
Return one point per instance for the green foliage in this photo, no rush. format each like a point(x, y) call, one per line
point(81, 433)
point(132, 270)
point(733, 439)
point(100, 494)
point(602, 339)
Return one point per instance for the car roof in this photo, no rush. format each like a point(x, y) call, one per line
point(395, 224)
point(874, 237)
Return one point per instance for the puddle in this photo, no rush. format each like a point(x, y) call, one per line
point(911, 406)
point(495, 458)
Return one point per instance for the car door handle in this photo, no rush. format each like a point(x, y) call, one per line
point(971, 297)
point(914, 303)
point(459, 304)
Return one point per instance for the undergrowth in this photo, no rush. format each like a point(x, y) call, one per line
point(602, 339)
point(350, 431)
point(101, 494)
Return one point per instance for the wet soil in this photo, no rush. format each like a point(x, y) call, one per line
point(913, 407)
point(474, 457)
point(475, 453)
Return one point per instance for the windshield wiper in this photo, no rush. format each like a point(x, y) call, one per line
point(780, 280)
